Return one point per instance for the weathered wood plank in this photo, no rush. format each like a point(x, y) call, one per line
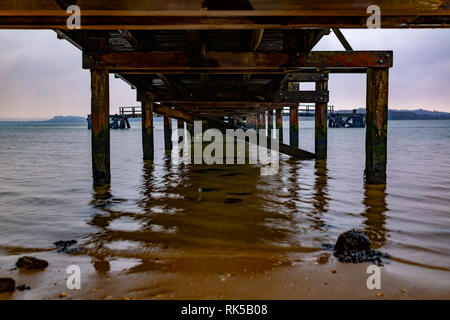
point(187, 15)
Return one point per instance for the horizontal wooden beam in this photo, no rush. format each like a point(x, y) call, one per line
point(145, 15)
point(236, 60)
point(266, 97)
point(306, 77)
point(236, 71)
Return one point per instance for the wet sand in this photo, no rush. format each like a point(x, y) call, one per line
point(217, 277)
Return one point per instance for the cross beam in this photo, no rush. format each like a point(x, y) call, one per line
point(395, 14)
point(215, 60)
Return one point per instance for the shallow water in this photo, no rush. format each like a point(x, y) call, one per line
point(164, 209)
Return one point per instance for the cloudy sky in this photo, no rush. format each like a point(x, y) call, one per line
point(41, 76)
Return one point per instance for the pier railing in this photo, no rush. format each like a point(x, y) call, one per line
point(130, 111)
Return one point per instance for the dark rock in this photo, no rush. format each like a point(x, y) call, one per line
point(31, 263)
point(23, 287)
point(66, 246)
point(232, 200)
point(7, 285)
point(354, 246)
point(352, 241)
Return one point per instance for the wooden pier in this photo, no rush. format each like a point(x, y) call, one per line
point(209, 59)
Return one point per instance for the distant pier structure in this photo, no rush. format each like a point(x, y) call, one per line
point(346, 120)
point(117, 121)
point(209, 59)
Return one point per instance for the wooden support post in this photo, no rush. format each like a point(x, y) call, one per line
point(262, 121)
point(320, 140)
point(293, 126)
point(269, 122)
point(100, 144)
point(167, 133)
point(180, 124)
point(279, 123)
point(147, 129)
point(376, 130)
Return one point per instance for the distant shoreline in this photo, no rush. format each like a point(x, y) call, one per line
point(419, 114)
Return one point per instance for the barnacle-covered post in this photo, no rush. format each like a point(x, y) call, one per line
point(376, 129)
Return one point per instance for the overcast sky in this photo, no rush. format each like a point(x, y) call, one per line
point(41, 76)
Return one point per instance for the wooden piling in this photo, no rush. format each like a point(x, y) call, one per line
point(262, 121)
point(180, 125)
point(167, 133)
point(279, 123)
point(269, 123)
point(293, 126)
point(321, 124)
point(147, 130)
point(100, 143)
point(376, 125)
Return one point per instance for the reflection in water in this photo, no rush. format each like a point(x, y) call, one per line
point(375, 214)
point(321, 196)
point(220, 210)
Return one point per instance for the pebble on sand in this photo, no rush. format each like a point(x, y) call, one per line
point(7, 285)
point(31, 263)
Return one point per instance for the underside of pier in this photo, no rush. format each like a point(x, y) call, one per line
point(205, 60)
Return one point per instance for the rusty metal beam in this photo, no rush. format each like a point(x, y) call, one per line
point(242, 61)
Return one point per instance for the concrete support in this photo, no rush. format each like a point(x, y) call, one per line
point(147, 130)
point(321, 124)
point(167, 133)
point(100, 144)
point(279, 123)
point(376, 125)
point(293, 126)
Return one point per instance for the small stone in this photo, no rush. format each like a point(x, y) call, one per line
point(31, 263)
point(127, 298)
point(7, 285)
point(333, 271)
point(379, 294)
point(404, 290)
point(159, 296)
point(23, 287)
point(63, 295)
point(66, 246)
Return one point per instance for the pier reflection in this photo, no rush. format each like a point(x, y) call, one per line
point(375, 214)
